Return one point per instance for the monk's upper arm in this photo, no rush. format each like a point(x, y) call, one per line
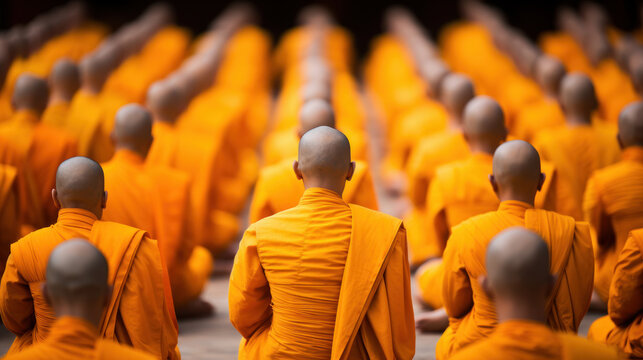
point(249, 293)
point(16, 303)
point(626, 290)
point(592, 209)
point(436, 210)
point(456, 288)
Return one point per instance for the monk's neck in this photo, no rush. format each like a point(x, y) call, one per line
point(57, 98)
point(578, 120)
point(454, 124)
point(79, 312)
point(91, 90)
point(523, 309)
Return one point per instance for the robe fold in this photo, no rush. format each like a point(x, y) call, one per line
point(9, 212)
point(73, 338)
point(140, 312)
point(527, 340)
point(471, 313)
point(303, 286)
point(613, 206)
point(279, 189)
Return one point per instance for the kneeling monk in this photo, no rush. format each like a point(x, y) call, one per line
point(323, 280)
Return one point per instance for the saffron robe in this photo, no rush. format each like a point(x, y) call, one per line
point(278, 189)
point(303, 284)
point(55, 115)
point(9, 212)
point(75, 339)
point(140, 312)
point(537, 116)
point(471, 313)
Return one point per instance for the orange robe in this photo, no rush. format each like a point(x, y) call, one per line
point(623, 327)
point(303, 284)
point(278, 189)
point(9, 212)
point(165, 192)
point(471, 313)
point(613, 206)
point(528, 340)
point(43, 148)
point(140, 312)
point(75, 339)
point(577, 152)
point(55, 115)
point(537, 116)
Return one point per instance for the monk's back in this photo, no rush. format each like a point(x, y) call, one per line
point(303, 251)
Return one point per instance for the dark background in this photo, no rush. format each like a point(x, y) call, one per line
point(362, 18)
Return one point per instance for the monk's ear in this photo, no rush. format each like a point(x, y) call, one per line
point(484, 283)
point(103, 203)
point(54, 197)
point(295, 167)
point(541, 181)
point(351, 171)
point(492, 180)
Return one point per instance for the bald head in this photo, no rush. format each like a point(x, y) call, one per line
point(166, 101)
point(133, 129)
point(635, 67)
point(315, 90)
point(577, 96)
point(76, 282)
point(315, 113)
point(30, 93)
point(517, 264)
point(433, 71)
point(94, 71)
point(64, 79)
point(80, 183)
point(516, 171)
point(315, 69)
point(456, 91)
point(484, 124)
point(549, 74)
point(630, 125)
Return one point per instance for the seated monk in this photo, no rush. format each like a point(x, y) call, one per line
point(613, 200)
point(519, 281)
point(77, 290)
point(582, 146)
point(64, 82)
point(623, 326)
point(9, 212)
point(41, 146)
point(140, 312)
point(439, 149)
point(166, 194)
point(516, 178)
point(544, 113)
point(320, 261)
point(461, 189)
point(279, 188)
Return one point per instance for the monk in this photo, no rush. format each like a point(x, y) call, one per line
point(165, 193)
point(315, 281)
point(9, 211)
point(583, 145)
point(516, 178)
point(613, 203)
point(140, 312)
point(41, 146)
point(77, 290)
point(461, 189)
point(64, 82)
point(622, 326)
point(519, 282)
point(279, 188)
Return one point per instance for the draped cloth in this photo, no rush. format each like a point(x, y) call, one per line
point(9, 212)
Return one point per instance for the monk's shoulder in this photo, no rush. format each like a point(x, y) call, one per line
point(576, 347)
point(375, 218)
point(616, 173)
point(107, 349)
point(480, 350)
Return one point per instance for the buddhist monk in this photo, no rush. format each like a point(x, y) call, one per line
point(516, 179)
point(166, 195)
point(583, 145)
point(77, 290)
point(64, 82)
point(315, 281)
point(140, 312)
point(279, 188)
point(461, 189)
point(622, 326)
point(519, 282)
point(41, 146)
point(9, 211)
point(613, 203)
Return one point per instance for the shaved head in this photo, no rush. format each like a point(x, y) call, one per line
point(133, 129)
point(316, 90)
point(80, 183)
point(635, 67)
point(517, 265)
point(630, 125)
point(433, 72)
point(577, 95)
point(516, 171)
point(77, 275)
point(484, 124)
point(166, 101)
point(549, 74)
point(316, 69)
point(94, 71)
point(456, 91)
point(315, 113)
point(65, 79)
point(30, 93)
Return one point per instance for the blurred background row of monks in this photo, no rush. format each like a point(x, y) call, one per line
point(228, 110)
